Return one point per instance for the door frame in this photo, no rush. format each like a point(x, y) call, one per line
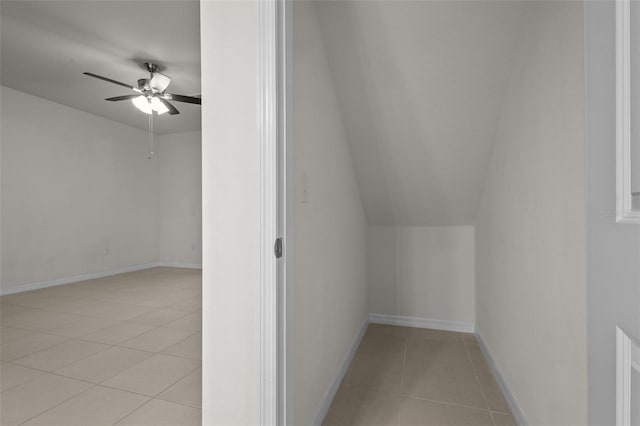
point(245, 290)
point(274, 41)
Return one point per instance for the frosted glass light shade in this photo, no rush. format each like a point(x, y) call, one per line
point(143, 104)
point(158, 106)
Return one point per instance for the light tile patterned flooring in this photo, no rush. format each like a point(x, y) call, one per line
point(403, 376)
point(126, 350)
point(121, 350)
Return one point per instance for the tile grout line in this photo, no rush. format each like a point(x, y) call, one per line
point(137, 408)
point(58, 404)
point(402, 371)
point(151, 354)
point(419, 398)
point(491, 373)
point(117, 322)
point(94, 385)
point(78, 318)
point(109, 345)
point(475, 373)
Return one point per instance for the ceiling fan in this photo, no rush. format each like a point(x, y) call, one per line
point(150, 94)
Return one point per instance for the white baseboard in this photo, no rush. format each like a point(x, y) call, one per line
point(330, 393)
point(83, 277)
point(435, 324)
point(180, 265)
point(518, 415)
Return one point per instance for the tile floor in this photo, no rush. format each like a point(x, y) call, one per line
point(403, 376)
point(121, 350)
point(126, 350)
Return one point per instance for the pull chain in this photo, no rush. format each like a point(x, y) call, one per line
point(150, 136)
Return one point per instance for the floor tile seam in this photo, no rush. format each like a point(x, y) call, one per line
point(181, 341)
point(22, 304)
point(477, 370)
point(128, 347)
point(67, 338)
point(57, 405)
point(104, 380)
point(15, 328)
point(452, 404)
point(54, 373)
point(484, 396)
point(57, 344)
point(112, 345)
point(138, 408)
point(37, 319)
point(132, 411)
point(69, 298)
point(180, 329)
point(410, 396)
point(60, 335)
point(402, 371)
point(151, 354)
point(147, 402)
point(176, 402)
point(155, 396)
point(160, 325)
point(25, 382)
point(80, 315)
point(457, 341)
point(493, 420)
point(444, 363)
point(126, 390)
point(181, 378)
point(80, 359)
point(39, 350)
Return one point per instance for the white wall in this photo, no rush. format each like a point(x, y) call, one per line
point(180, 198)
point(78, 192)
point(613, 275)
point(530, 232)
point(422, 272)
point(230, 218)
point(80, 196)
point(329, 285)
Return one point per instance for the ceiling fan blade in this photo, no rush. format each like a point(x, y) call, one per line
point(172, 109)
point(159, 82)
point(128, 86)
point(183, 98)
point(122, 98)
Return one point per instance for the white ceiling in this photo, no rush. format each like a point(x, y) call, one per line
point(45, 47)
point(420, 85)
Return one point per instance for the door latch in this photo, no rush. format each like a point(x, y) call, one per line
point(277, 248)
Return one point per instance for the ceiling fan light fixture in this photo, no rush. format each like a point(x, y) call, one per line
point(158, 106)
point(143, 104)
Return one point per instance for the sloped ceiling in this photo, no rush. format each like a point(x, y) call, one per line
point(45, 46)
point(420, 86)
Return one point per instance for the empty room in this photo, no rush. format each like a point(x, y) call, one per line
point(101, 213)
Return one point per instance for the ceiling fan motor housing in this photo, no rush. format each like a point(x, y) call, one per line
point(143, 84)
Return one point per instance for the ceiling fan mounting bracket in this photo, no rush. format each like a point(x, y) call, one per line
point(151, 67)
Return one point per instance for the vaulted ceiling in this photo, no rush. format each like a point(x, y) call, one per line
point(47, 45)
point(420, 86)
point(419, 83)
